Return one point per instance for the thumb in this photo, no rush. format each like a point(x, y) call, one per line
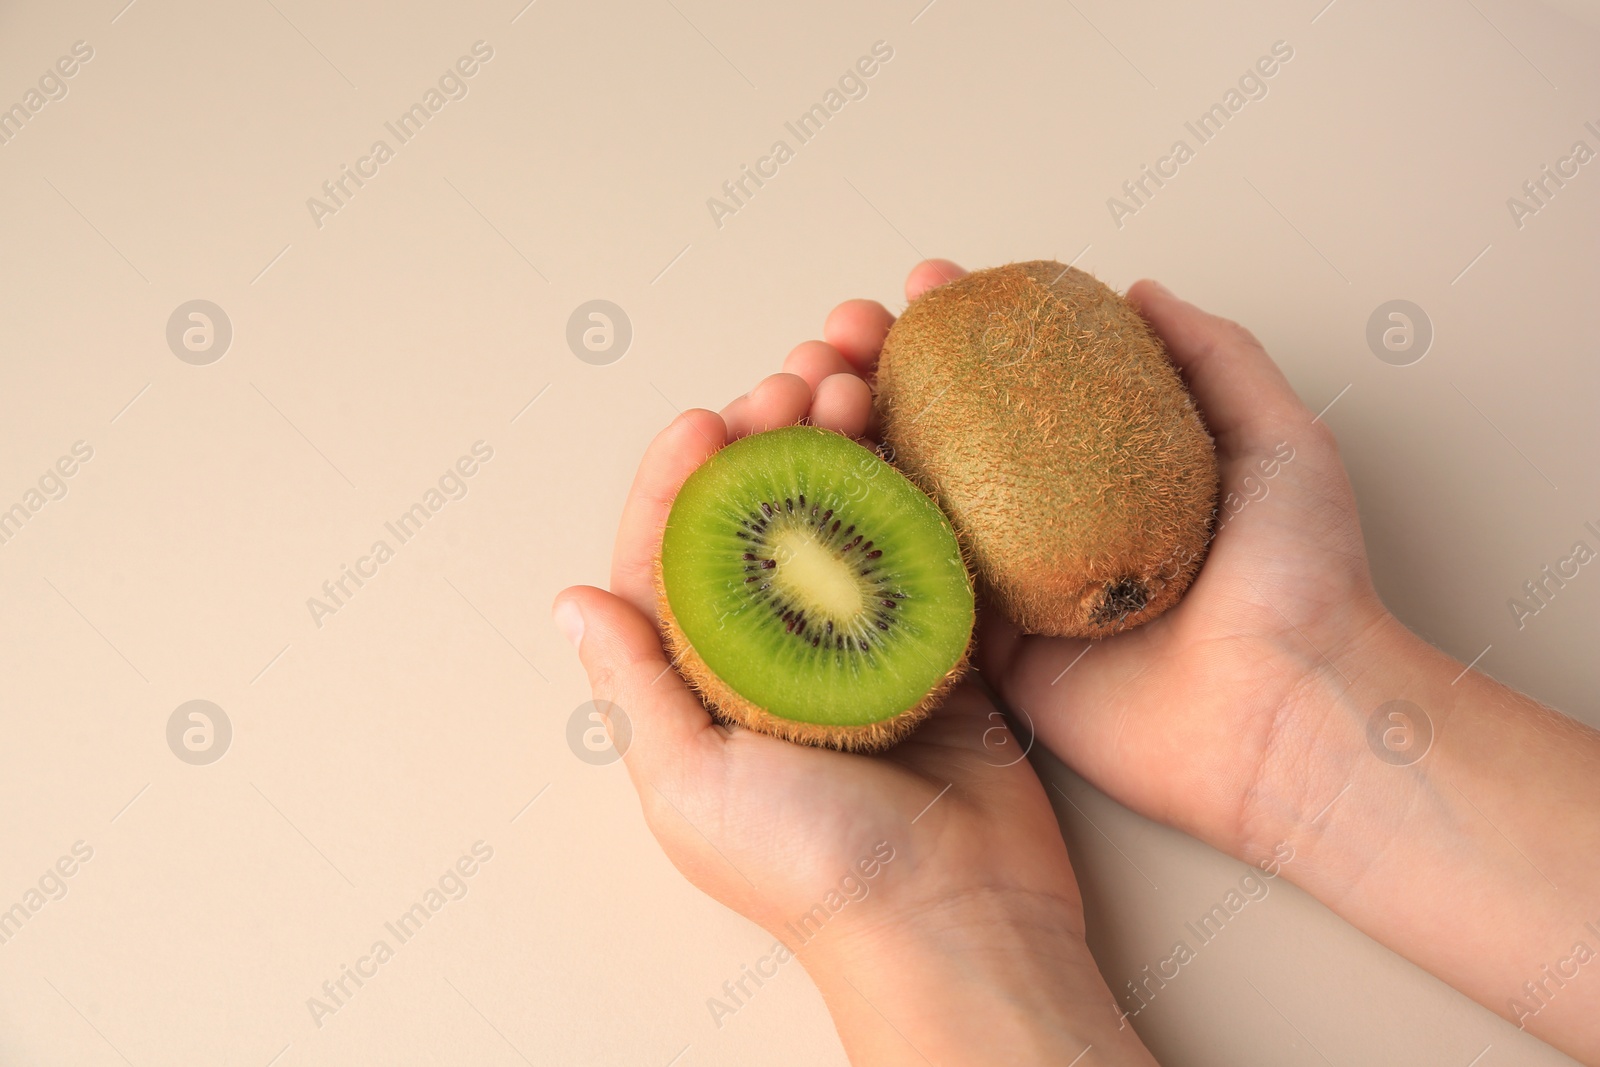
point(628, 669)
point(1243, 393)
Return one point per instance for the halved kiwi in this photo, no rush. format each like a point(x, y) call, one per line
point(809, 590)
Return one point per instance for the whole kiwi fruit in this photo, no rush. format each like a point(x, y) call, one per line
point(1042, 413)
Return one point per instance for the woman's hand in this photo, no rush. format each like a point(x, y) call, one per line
point(927, 890)
point(1279, 702)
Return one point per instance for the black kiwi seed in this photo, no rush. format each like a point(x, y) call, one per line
point(859, 635)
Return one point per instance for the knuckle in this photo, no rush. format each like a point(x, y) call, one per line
point(603, 680)
point(1239, 334)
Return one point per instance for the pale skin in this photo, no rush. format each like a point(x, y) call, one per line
point(1240, 717)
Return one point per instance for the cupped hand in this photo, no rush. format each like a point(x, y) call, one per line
point(772, 829)
point(1195, 718)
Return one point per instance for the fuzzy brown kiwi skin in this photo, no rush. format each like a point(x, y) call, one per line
point(959, 410)
point(729, 706)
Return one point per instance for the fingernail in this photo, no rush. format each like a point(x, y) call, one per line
point(569, 620)
point(1158, 287)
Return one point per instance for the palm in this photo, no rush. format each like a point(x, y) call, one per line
point(769, 827)
point(1177, 718)
point(789, 822)
point(1170, 717)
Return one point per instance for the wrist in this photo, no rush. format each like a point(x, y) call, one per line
point(1324, 726)
point(982, 976)
point(1406, 785)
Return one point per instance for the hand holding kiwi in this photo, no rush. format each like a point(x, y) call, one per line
point(774, 830)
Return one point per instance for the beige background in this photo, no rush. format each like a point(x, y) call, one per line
point(368, 354)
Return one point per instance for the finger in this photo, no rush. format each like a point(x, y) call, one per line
point(814, 361)
point(735, 413)
point(843, 402)
point(856, 328)
point(656, 721)
point(997, 641)
point(1241, 390)
point(930, 274)
point(779, 400)
point(671, 457)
